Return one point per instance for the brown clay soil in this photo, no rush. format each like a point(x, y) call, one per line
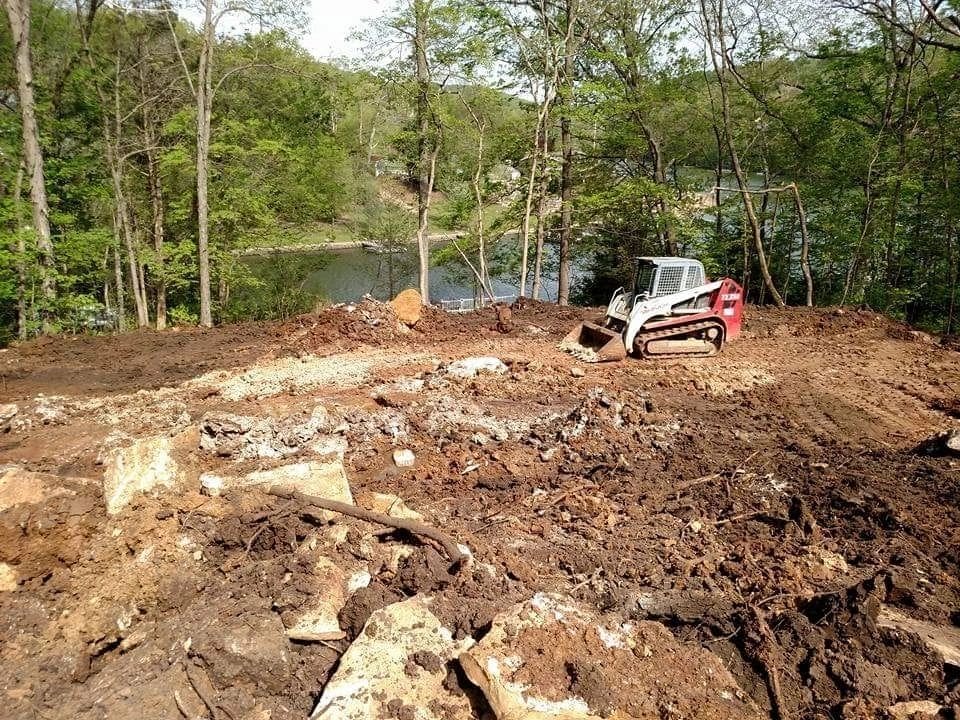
point(763, 503)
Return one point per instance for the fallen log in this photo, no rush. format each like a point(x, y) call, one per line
point(415, 527)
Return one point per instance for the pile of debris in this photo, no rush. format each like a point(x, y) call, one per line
point(243, 438)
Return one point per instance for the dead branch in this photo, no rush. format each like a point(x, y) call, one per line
point(414, 527)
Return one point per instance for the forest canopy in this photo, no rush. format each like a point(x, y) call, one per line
point(809, 151)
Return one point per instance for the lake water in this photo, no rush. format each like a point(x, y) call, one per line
point(347, 275)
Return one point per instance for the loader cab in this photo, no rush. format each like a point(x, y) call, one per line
point(657, 276)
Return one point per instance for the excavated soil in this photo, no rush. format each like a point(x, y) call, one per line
point(764, 504)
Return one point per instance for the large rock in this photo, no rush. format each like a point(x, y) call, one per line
point(396, 668)
point(141, 467)
point(552, 658)
point(408, 306)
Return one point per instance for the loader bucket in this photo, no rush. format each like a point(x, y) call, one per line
point(592, 343)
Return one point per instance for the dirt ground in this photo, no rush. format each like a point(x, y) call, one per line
point(769, 505)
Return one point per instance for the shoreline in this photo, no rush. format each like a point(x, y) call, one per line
point(335, 245)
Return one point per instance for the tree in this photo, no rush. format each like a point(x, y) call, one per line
point(18, 16)
point(715, 35)
point(266, 12)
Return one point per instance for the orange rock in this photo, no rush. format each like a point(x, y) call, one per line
point(407, 306)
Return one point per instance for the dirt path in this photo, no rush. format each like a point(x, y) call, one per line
point(762, 504)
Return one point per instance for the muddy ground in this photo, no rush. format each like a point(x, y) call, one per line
point(769, 505)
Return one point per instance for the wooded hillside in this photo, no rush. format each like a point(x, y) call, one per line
point(809, 151)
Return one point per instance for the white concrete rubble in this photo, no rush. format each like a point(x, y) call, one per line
point(138, 468)
point(377, 678)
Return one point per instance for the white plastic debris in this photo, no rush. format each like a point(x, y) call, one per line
point(404, 457)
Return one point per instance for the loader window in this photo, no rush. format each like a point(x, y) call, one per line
point(644, 280)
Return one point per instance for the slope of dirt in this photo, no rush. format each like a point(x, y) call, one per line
point(765, 503)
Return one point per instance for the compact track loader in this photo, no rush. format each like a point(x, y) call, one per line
point(671, 311)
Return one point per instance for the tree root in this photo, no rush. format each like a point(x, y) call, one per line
point(766, 654)
point(415, 527)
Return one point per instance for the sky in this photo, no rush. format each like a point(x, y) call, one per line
point(332, 21)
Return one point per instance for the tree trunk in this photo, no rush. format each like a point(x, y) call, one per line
point(20, 251)
point(421, 9)
point(804, 245)
point(118, 274)
point(720, 68)
point(204, 92)
point(566, 150)
point(541, 214)
point(18, 14)
point(155, 185)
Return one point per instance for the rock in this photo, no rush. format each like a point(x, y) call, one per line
point(473, 366)
point(7, 412)
point(577, 371)
point(141, 467)
point(323, 479)
point(942, 639)
point(244, 648)
point(211, 484)
point(379, 675)
point(8, 578)
point(911, 709)
point(551, 657)
point(319, 619)
point(408, 305)
point(951, 441)
point(404, 458)
point(388, 505)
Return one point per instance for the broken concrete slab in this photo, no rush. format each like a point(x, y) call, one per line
point(141, 467)
point(943, 639)
point(473, 366)
point(396, 667)
point(323, 479)
point(551, 657)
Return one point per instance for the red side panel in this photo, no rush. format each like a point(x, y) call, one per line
point(727, 304)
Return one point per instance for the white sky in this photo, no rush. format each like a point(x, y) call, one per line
point(332, 21)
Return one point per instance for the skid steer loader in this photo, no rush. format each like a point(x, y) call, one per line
point(671, 311)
